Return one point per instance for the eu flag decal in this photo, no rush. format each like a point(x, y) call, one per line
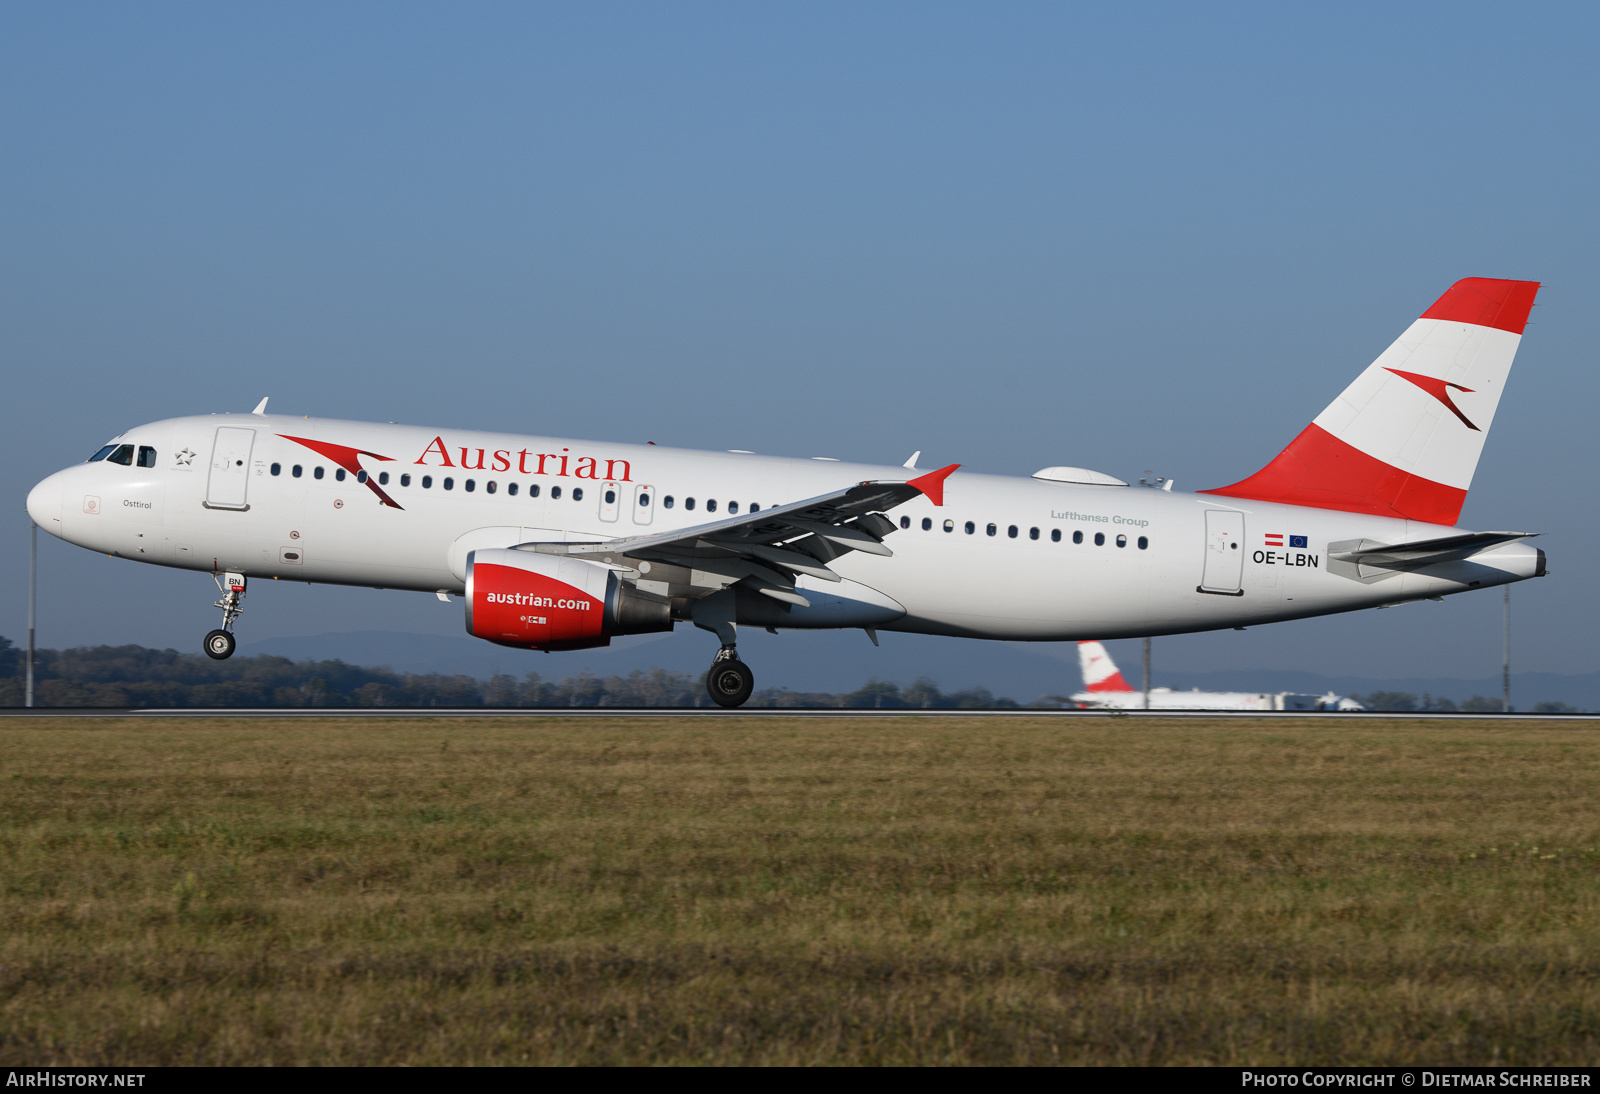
point(1297, 541)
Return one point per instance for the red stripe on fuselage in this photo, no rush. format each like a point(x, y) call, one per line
point(1323, 472)
point(349, 459)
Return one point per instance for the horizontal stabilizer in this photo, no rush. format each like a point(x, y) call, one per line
point(1427, 551)
point(1367, 561)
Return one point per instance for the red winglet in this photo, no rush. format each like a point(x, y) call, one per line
point(1488, 302)
point(932, 484)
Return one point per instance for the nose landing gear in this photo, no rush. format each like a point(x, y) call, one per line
point(220, 643)
point(730, 680)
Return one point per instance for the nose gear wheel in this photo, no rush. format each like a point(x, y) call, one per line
point(219, 645)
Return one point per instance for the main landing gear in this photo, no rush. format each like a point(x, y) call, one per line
point(220, 643)
point(730, 680)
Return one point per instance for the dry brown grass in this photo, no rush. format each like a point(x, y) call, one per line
point(775, 891)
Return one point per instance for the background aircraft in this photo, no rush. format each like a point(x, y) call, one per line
point(1105, 688)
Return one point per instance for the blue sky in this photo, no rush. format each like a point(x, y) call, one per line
point(1123, 236)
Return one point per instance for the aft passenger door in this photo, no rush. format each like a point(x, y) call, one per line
point(1224, 566)
point(230, 468)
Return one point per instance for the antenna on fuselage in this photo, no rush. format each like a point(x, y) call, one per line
point(261, 407)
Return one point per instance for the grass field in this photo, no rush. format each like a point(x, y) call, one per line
point(799, 891)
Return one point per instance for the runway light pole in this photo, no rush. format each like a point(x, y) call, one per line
point(1147, 674)
point(1505, 656)
point(33, 566)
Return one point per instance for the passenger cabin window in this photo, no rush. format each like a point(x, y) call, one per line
point(1144, 542)
point(316, 473)
point(644, 498)
point(577, 493)
point(711, 505)
point(667, 501)
point(489, 487)
point(533, 490)
point(449, 483)
point(927, 524)
point(123, 455)
point(688, 503)
point(733, 507)
point(1122, 541)
point(905, 522)
point(555, 492)
point(754, 508)
point(470, 486)
point(277, 469)
point(971, 527)
point(1012, 531)
point(611, 497)
point(949, 526)
point(1099, 539)
point(147, 457)
point(383, 478)
point(1055, 535)
point(427, 482)
point(103, 453)
point(1077, 537)
point(405, 480)
point(1033, 533)
point(339, 475)
point(511, 489)
point(990, 530)
point(361, 476)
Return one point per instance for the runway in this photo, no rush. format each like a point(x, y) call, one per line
point(382, 713)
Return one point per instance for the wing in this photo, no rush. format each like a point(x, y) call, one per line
point(765, 550)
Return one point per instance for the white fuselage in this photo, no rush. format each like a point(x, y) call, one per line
point(231, 502)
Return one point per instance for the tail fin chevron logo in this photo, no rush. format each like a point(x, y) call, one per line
point(1379, 448)
point(1439, 389)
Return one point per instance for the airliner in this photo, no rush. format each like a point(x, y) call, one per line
point(563, 544)
point(1105, 688)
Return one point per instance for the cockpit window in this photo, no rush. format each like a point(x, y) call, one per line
point(123, 455)
point(147, 456)
point(103, 453)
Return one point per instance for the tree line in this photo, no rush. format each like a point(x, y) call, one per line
point(134, 676)
point(1478, 704)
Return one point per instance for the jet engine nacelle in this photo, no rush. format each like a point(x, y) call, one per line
point(549, 602)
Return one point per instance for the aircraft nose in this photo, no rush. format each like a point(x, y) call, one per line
point(44, 504)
